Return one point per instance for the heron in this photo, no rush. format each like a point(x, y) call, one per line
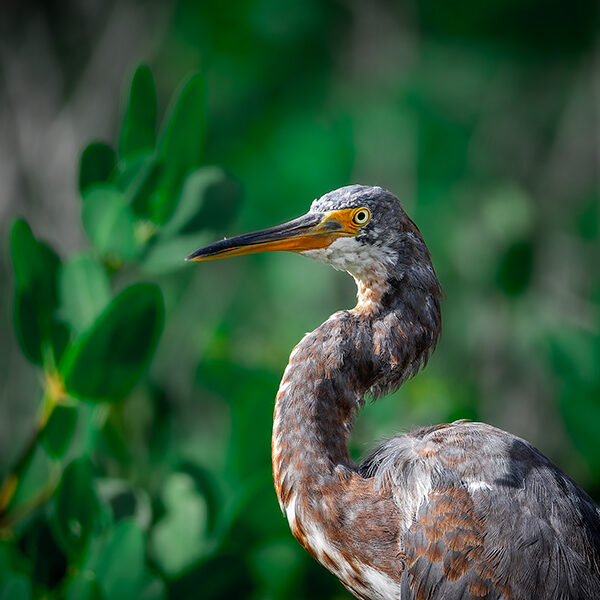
point(454, 511)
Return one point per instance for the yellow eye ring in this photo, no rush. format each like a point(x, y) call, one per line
point(361, 217)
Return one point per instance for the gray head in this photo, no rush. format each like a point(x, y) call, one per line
point(387, 244)
point(360, 229)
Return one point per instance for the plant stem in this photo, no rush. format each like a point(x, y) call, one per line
point(54, 392)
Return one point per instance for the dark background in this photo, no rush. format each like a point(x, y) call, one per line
point(481, 117)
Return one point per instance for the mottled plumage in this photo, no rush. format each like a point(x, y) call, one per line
point(457, 511)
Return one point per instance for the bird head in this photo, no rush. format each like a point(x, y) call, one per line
point(359, 229)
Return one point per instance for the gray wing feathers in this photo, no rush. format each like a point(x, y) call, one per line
point(487, 516)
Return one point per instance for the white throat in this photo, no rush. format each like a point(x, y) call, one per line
point(367, 263)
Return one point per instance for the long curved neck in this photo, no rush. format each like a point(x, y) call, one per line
point(370, 349)
point(310, 428)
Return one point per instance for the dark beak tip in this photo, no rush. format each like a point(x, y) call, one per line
point(192, 256)
point(249, 243)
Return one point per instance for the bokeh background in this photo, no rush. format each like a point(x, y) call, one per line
point(134, 446)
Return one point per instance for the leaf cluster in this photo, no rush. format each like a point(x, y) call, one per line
point(91, 324)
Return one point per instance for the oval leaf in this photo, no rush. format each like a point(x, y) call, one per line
point(109, 222)
point(221, 200)
point(139, 124)
point(97, 165)
point(181, 145)
point(59, 430)
point(138, 176)
point(42, 338)
point(77, 508)
point(36, 269)
point(118, 562)
point(209, 199)
point(191, 199)
point(33, 480)
point(35, 264)
point(84, 291)
point(105, 363)
point(42, 551)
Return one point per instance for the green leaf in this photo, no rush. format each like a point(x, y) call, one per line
point(221, 203)
point(139, 124)
point(77, 509)
point(38, 544)
point(181, 145)
point(209, 199)
point(84, 291)
point(106, 361)
point(33, 481)
point(169, 254)
point(42, 338)
point(83, 587)
point(109, 222)
point(192, 197)
point(179, 538)
point(138, 177)
point(59, 430)
point(36, 268)
point(34, 263)
point(97, 165)
point(153, 588)
point(118, 561)
point(15, 587)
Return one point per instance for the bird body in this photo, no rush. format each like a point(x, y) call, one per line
point(456, 511)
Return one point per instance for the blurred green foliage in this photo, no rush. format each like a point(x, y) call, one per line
point(92, 327)
point(147, 473)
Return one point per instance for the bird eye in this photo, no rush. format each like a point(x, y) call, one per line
point(362, 216)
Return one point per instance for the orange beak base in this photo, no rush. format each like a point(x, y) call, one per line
point(309, 232)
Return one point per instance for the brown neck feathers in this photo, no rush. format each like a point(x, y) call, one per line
point(352, 354)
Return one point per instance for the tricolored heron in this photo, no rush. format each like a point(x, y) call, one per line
point(455, 511)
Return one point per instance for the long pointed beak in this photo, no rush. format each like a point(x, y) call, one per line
point(309, 232)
